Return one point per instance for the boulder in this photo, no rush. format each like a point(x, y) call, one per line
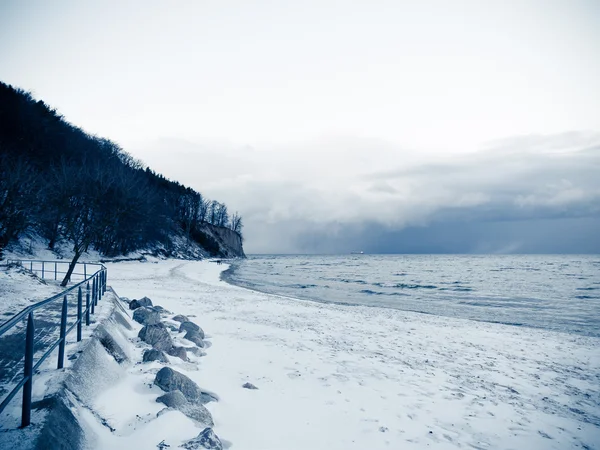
point(161, 310)
point(249, 386)
point(173, 399)
point(180, 318)
point(157, 336)
point(179, 352)
point(169, 380)
point(191, 326)
point(207, 439)
point(154, 355)
point(146, 315)
point(197, 412)
point(134, 304)
point(194, 337)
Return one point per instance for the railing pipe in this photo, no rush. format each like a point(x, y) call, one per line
point(93, 300)
point(93, 294)
point(79, 317)
point(87, 304)
point(63, 337)
point(28, 372)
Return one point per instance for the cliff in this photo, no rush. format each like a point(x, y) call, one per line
point(229, 242)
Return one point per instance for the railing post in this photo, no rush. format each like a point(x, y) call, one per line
point(93, 294)
point(31, 266)
point(55, 270)
point(28, 372)
point(79, 318)
point(84, 271)
point(63, 332)
point(87, 304)
point(42, 270)
point(105, 279)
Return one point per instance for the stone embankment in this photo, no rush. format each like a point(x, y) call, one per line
point(182, 393)
point(66, 404)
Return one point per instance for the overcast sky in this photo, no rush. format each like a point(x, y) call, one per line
point(333, 126)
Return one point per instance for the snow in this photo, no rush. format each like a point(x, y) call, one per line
point(19, 289)
point(350, 377)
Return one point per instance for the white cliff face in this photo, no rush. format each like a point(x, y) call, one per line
point(230, 242)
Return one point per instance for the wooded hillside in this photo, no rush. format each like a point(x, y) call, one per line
point(64, 184)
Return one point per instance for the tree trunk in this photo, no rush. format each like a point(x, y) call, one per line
point(72, 265)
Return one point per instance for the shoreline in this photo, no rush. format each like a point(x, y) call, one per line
point(338, 377)
point(226, 278)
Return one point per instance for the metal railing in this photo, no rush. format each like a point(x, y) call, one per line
point(93, 293)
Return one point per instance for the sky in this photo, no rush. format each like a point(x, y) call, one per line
point(335, 126)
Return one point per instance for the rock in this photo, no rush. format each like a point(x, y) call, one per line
point(194, 337)
point(146, 316)
point(249, 386)
point(134, 304)
point(179, 352)
point(161, 310)
point(191, 326)
point(180, 318)
point(174, 399)
point(207, 439)
point(173, 328)
point(154, 355)
point(169, 380)
point(197, 412)
point(157, 336)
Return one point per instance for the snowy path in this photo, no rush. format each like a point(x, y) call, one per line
point(339, 377)
point(19, 289)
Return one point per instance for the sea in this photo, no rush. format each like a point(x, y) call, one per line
point(551, 292)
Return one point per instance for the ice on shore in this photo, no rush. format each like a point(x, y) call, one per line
point(349, 377)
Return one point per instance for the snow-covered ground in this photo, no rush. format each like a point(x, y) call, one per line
point(348, 377)
point(20, 288)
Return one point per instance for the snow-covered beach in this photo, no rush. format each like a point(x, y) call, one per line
point(353, 377)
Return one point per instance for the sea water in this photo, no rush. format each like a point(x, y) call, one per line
point(560, 293)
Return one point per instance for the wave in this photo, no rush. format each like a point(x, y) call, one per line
point(370, 292)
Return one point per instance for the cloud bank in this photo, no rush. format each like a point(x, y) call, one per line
point(530, 194)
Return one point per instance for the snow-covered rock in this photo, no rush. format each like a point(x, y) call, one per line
point(155, 355)
point(145, 301)
point(194, 411)
point(146, 315)
point(180, 318)
point(195, 337)
point(157, 336)
point(179, 352)
point(170, 380)
point(191, 326)
point(207, 439)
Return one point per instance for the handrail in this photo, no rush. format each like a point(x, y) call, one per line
point(94, 294)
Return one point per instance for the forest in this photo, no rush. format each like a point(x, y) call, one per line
point(65, 185)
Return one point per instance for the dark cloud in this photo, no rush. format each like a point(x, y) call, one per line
point(528, 195)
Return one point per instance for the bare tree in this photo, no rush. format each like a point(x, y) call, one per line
point(236, 223)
